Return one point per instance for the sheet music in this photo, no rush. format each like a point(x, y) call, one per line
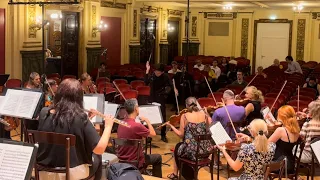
point(19, 103)
point(1, 100)
point(90, 102)
point(110, 108)
point(152, 113)
point(316, 149)
point(267, 115)
point(14, 161)
point(219, 134)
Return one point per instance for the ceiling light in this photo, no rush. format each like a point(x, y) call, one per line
point(227, 7)
point(298, 7)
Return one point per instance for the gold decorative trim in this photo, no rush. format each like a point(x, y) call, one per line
point(94, 20)
point(32, 20)
point(194, 20)
point(301, 31)
point(149, 9)
point(315, 15)
point(220, 15)
point(164, 30)
point(135, 19)
point(256, 32)
point(109, 4)
point(244, 37)
point(172, 12)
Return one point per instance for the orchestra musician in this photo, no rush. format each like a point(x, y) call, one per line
point(67, 116)
point(237, 113)
point(86, 83)
point(310, 130)
point(161, 86)
point(254, 156)
point(34, 81)
point(138, 131)
point(48, 93)
point(194, 122)
point(253, 108)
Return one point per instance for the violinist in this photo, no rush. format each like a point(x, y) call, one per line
point(253, 108)
point(161, 86)
point(34, 81)
point(86, 84)
point(254, 156)
point(50, 94)
point(194, 122)
point(67, 116)
point(237, 113)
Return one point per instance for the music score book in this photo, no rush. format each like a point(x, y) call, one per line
point(16, 159)
point(111, 109)
point(316, 149)
point(21, 103)
point(219, 134)
point(94, 101)
point(267, 115)
point(151, 112)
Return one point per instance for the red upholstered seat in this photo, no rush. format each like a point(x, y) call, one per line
point(217, 95)
point(69, 76)
point(205, 102)
point(107, 89)
point(53, 75)
point(13, 83)
point(120, 81)
point(139, 74)
point(104, 84)
point(102, 79)
point(136, 83)
point(282, 98)
point(302, 98)
point(130, 94)
point(124, 73)
point(143, 90)
point(124, 87)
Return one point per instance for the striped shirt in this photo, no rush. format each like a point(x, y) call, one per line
point(310, 130)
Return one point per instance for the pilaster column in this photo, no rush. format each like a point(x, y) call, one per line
point(164, 37)
point(134, 31)
point(194, 42)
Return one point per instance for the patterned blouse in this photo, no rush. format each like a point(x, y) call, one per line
point(253, 162)
point(189, 146)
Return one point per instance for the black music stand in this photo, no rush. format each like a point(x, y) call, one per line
point(3, 79)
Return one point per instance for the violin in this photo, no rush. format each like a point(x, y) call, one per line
point(10, 123)
point(241, 102)
point(174, 119)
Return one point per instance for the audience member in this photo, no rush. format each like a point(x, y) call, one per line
point(312, 83)
point(293, 66)
point(216, 69)
point(240, 81)
point(174, 69)
point(199, 65)
point(260, 72)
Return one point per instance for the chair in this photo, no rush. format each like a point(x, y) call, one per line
point(313, 158)
point(295, 103)
point(57, 75)
point(302, 98)
point(102, 80)
point(124, 73)
point(274, 166)
point(217, 95)
point(124, 87)
point(120, 81)
point(308, 94)
point(136, 83)
point(13, 83)
point(104, 84)
point(143, 94)
point(58, 81)
point(202, 160)
point(106, 90)
point(139, 74)
point(205, 102)
point(309, 90)
point(118, 142)
point(281, 98)
point(69, 76)
point(130, 94)
point(66, 140)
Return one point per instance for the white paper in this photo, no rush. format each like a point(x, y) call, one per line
point(110, 109)
point(316, 149)
point(90, 102)
point(14, 161)
point(219, 134)
point(18, 103)
point(152, 113)
point(1, 100)
point(267, 115)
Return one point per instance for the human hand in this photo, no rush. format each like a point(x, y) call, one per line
point(108, 120)
point(221, 148)
point(143, 119)
point(92, 113)
point(176, 92)
point(147, 67)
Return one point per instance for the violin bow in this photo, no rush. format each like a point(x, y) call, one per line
point(174, 87)
point(225, 107)
point(116, 86)
point(50, 88)
point(123, 123)
point(284, 84)
point(210, 90)
point(298, 99)
point(248, 84)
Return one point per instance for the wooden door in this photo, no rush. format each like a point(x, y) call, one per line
point(70, 38)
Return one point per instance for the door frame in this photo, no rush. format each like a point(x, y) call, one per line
point(256, 34)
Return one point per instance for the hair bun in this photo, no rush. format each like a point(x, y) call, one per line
point(260, 133)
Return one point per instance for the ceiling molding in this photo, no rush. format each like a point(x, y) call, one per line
point(260, 4)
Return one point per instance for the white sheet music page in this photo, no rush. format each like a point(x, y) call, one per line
point(219, 134)
point(110, 108)
point(152, 113)
point(90, 102)
point(267, 115)
point(14, 161)
point(1, 100)
point(316, 149)
point(19, 103)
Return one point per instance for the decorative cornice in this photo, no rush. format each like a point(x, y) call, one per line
point(315, 15)
point(149, 9)
point(172, 12)
point(220, 15)
point(135, 20)
point(113, 5)
point(244, 37)
point(194, 21)
point(301, 31)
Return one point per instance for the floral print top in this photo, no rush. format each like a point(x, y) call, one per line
point(254, 162)
point(189, 146)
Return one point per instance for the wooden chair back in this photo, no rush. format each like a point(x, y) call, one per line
point(66, 140)
point(274, 166)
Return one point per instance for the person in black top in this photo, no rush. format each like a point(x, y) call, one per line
point(67, 116)
point(312, 83)
point(253, 108)
point(160, 85)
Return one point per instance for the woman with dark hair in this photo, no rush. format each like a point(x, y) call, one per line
point(194, 122)
point(34, 81)
point(67, 116)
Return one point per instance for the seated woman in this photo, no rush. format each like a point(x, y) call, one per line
point(191, 123)
point(286, 136)
point(260, 72)
point(86, 83)
point(50, 92)
point(67, 116)
point(34, 81)
point(310, 130)
point(253, 157)
point(253, 108)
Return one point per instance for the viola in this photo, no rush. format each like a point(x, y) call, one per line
point(48, 103)
point(241, 102)
point(10, 123)
point(174, 119)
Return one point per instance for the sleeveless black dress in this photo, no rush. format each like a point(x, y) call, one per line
point(255, 114)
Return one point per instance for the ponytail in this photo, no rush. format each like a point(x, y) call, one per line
point(193, 107)
point(261, 142)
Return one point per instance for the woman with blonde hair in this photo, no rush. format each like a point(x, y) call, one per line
point(254, 156)
point(86, 83)
point(253, 108)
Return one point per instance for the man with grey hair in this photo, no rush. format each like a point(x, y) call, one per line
point(237, 113)
point(138, 131)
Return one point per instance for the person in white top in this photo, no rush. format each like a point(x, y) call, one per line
point(199, 65)
point(293, 66)
point(216, 69)
point(233, 61)
point(174, 69)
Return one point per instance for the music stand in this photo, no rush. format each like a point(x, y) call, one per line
point(3, 79)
